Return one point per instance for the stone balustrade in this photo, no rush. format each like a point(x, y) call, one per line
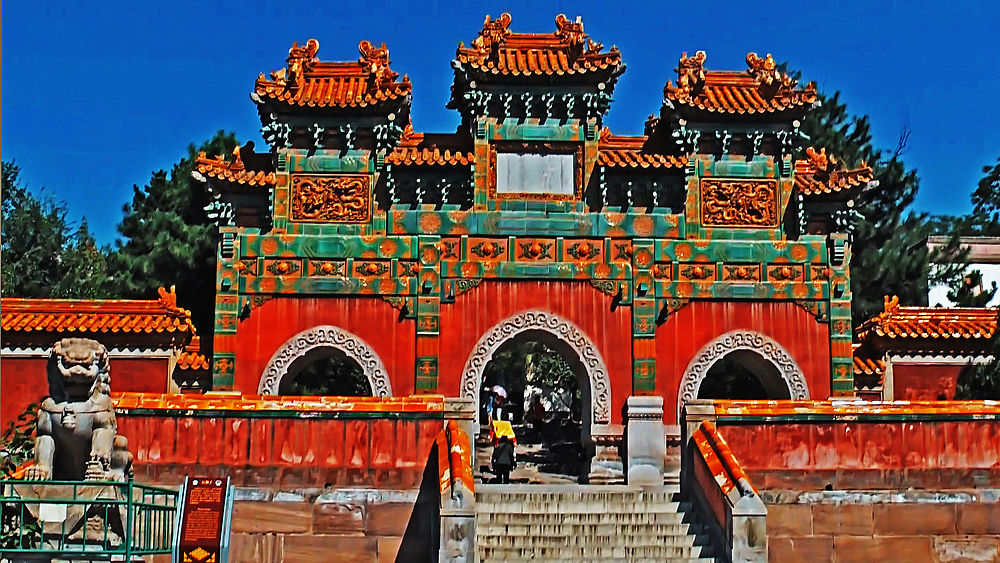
point(713, 479)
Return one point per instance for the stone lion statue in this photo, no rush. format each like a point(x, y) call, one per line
point(76, 434)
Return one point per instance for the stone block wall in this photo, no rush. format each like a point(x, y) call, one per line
point(841, 526)
point(321, 525)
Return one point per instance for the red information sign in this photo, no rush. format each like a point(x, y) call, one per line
point(202, 520)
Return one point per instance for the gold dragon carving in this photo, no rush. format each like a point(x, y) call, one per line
point(334, 199)
point(739, 203)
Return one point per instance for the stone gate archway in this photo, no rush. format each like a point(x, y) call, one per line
point(741, 340)
point(595, 391)
point(325, 336)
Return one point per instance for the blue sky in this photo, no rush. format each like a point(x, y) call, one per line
point(97, 95)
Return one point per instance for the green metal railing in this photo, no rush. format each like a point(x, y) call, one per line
point(86, 519)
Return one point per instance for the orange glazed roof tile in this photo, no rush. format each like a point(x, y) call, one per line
point(626, 151)
point(959, 323)
point(852, 408)
point(866, 365)
point(256, 403)
point(816, 175)
point(761, 89)
point(308, 81)
point(567, 51)
point(420, 149)
point(233, 172)
point(96, 315)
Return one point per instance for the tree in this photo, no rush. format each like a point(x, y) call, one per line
point(986, 203)
point(890, 255)
point(970, 292)
point(44, 254)
point(169, 240)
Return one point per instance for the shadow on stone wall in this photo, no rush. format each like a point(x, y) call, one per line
point(422, 537)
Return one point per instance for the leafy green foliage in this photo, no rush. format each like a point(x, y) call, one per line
point(44, 254)
point(17, 443)
point(970, 291)
point(531, 362)
point(986, 201)
point(169, 240)
point(332, 375)
point(890, 256)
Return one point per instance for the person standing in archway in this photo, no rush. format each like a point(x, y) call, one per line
point(504, 459)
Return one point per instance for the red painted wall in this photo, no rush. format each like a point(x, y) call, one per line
point(877, 455)
point(692, 327)
point(924, 383)
point(370, 318)
point(477, 311)
point(279, 452)
point(24, 381)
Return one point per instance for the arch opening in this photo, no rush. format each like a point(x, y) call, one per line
point(325, 371)
point(315, 344)
point(743, 374)
point(544, 381)
point(760, 355)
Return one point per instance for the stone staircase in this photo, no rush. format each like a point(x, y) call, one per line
point(586, 523)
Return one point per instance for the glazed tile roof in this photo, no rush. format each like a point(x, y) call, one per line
point(627, 151)
point(761, 89)
point(568, 51)
point(235, 172)
point(308, 81)
point(955, 323)
point(864, 364)
point(421, 149)
point(851, 409)
point(95, 316)
point(275, 403)
point(191, 359)
point(816, 175)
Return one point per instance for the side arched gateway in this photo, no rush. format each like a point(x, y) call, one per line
point(302, 344)
point(781, 378)
point(597, 392)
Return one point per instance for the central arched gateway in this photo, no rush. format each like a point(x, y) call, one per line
point(595, 391)
point(302, 344)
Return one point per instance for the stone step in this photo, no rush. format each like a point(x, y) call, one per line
point(619, 519)
point(527, 509)
point(584, 560)
point(581, 531)
point(629, 541)
point(617, 553)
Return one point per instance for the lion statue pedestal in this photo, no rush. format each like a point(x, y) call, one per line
point(76, 440)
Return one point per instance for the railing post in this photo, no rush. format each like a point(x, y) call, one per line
point(647, 440)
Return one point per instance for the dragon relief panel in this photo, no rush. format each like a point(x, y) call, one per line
point(331, 199)
point(739, 203)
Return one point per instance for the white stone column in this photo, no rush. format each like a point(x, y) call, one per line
point(646, 441)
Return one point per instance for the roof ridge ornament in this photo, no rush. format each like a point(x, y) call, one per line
point(690, 75)
point(299, 60)
point(493, 34)
point(769, 79)
point(376, 62)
